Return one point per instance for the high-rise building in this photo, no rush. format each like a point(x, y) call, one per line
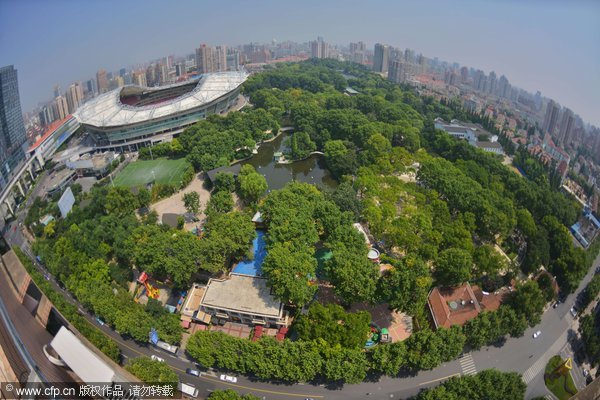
point(551, 117)
point(319, 48)
point(566, 127)
point(464, 74)
point(161, 74)
point(205, 59)
point(503, 87)
point(74, 97)
point(139, 78)
point(102, 81)
point(151, 76)
point(492, 83)
point(12, 126)
point(91, 87)
point(221, 58)
point(381, 58)
point(479, 81)
point(56, 90)
point(46, 116)
point(358, 52)
point(60, 107)
point(233, 59)
point(180, 69)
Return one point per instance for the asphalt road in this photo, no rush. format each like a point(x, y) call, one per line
point(524, 355)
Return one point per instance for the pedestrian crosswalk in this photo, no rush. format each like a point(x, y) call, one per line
point(534, 370)
point(467, 365)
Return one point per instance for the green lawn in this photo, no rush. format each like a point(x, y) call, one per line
point(140, 172)
point(557, 386)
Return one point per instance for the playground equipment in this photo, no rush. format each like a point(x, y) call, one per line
point(150, 290)
point(377, 335)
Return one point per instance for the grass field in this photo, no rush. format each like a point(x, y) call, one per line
point(140, 172)
point(562, 387)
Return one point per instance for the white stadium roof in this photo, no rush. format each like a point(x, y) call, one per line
point(107, 110)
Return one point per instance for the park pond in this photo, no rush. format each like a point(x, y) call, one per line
point(310, 170)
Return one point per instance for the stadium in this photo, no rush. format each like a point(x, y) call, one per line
point(133, 116)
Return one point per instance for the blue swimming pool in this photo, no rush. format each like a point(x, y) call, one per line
point(253, 267)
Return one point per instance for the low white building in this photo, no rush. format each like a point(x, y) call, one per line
point(244, 299)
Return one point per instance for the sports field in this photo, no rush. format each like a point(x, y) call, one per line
point(140, 172)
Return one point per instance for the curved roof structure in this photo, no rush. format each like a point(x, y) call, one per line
point(107, 111)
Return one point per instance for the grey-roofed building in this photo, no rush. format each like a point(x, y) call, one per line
point(245, 299)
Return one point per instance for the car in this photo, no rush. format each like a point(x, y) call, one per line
point(586, 372)
point(228, 378)
point(555, 304)
point(573, 311)
point(99, 321)
point(537, 334)
point(157, 358)
point(191, 371)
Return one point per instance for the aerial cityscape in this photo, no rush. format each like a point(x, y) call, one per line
point(267, 201)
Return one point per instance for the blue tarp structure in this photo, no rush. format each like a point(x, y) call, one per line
point(259, 250)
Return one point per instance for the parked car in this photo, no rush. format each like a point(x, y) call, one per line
point(157, 358)
point(228, 378)
point(537, 334)
point(99, 321)
point(573, 311)
point(191, 371)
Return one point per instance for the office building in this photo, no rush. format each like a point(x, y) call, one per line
point(205, 59)
point(381, 58)
point(12, 127)
point(102, 81)
point(551, 117)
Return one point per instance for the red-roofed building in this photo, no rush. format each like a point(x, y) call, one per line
point(457, 305)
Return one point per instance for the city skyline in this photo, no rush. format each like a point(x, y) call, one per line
point(539, 61)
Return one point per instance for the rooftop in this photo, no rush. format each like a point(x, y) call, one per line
point(192, 302)
point(241, 293)
point(453, 306)
point(107, 110)
point(50, 129)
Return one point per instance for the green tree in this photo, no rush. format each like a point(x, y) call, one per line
point(229, 394)
point(191, 202)
point(528, 300)
point(252, 184)
point(144, 197)
point(120, 201)
point(453, 266)
point(224, 181)
point(151, 371)
point(220, 202)
point(290, 272)
point(353, 274)
point(332, 324)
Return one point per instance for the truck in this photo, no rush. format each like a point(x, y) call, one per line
point(187, 389)
point(167, 347)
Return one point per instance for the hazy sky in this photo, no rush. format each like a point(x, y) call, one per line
point(547, 45)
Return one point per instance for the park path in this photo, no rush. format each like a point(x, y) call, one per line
point(174, 204)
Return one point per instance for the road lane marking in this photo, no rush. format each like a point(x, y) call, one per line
point(439, 379)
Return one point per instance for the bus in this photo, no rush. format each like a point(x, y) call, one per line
point(167, 347)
